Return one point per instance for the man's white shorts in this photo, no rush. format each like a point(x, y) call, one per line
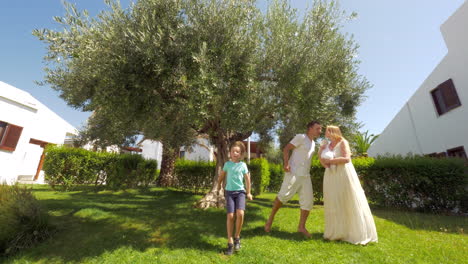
point(293, 184)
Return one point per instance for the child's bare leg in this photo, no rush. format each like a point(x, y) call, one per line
point(276, 206)
point(230, 226)
point(239, 222)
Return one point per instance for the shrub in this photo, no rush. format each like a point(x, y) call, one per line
point(22, 221)
point(276, 177)
point(67, 167)
point(422, 183)
point(259, 175)
point(196, 176)
point(70, 166)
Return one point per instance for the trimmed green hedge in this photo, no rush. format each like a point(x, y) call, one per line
point(421, 183)
point(416, 183)
point(259, 175)
point(276, 177)
point(195, 176)
point(22, 220)
point(66, 167)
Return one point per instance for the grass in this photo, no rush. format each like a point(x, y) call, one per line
point(160, 226)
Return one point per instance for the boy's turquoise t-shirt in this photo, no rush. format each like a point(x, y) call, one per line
point(235, 175)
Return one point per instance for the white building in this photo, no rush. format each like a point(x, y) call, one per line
point(434, 121)
point(26, 126)
point(202, 150)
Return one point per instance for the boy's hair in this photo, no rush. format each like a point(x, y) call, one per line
point(312, 123)
point(239, 144)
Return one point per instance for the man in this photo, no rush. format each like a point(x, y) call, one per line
point(297, 175)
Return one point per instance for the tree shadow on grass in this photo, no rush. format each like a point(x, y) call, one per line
point(269, 203)
point(293, 236)
point(90, 224)
point(423, 221)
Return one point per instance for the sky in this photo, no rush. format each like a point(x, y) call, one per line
point(400, 44)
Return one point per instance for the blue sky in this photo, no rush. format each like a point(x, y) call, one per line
point(400, 44)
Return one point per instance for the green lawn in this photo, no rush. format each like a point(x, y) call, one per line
point(160, 226)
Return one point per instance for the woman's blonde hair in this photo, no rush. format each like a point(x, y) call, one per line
point(335, 132)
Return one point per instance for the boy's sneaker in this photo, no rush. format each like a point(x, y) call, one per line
point(237, 244)
point(229, 250)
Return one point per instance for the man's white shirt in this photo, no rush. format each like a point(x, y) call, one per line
point(302, 155)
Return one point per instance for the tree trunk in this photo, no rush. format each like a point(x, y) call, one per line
point(215, 198)
point(167, 176)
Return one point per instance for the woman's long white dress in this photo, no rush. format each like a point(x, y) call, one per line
point(347, 213)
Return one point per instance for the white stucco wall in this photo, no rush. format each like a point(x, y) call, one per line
point(431, 132)
point(19, 108)
point(202, 150)
point(152, 149)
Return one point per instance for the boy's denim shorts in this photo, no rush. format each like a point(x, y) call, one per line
point(235, 200)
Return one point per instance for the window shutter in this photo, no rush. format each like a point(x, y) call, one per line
point(11, 138)
point(450, 94)
point(439, 104)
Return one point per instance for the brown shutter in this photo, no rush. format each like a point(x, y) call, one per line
point(437, 103)
point(450, 94)
point(11, 137)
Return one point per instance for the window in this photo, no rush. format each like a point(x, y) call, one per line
point(457, 152)
point(182, 154)
point(445, 97)
point(9, 136)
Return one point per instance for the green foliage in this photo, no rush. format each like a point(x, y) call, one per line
point(276, 177)
point(68, 167)
point(221, 68)
point(259, 175)
point(23, 222)
point(130, 171)
point(195, 176)
point(362, 142)
point(421, 183)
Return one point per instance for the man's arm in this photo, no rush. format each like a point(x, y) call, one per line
point(286, 150)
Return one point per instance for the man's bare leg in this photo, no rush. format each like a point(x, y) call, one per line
point(276, 206)
point(302, 229)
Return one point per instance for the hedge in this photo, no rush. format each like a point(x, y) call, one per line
point(276, 177)
point(67, 167)
point(259, 175)
point(421, 183)
point(195, 176)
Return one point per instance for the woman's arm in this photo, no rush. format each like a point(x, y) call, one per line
point(247, 185)
point(345, 151)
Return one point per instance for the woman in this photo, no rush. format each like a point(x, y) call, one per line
point(347, 213)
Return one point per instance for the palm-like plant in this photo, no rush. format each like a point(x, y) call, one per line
point(362, 142)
